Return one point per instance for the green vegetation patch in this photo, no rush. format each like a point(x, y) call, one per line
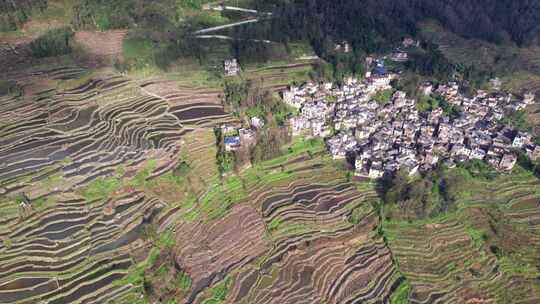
point(222, 197)
point(140, 178)
point(136, 273)
point(401, 294)
point(477, 236)
point(359, 212)
point(436, 192)
point(138, 52)
point(518, 120)
point(298, 147)
point(218, 293)
point(43, 203)
point(184, 281)
point(383, 97)
point(430, 103)
point(10, 88)
point(104, 14)
point(101, 188)
point(54, 42)
point(104, 187)
point(248, 98)
point(166, 240)
point(274, 224)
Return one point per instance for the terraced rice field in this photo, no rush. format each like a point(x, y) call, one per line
point(93, 210)
point(81, 159)
point(87, 175)
point(72, 250)
point(276, 77)
point(486, 252)
point(282, 232)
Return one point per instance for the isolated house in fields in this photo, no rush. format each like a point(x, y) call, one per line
point(231, 66)
point(228, 129)
point(25, 205)
point(529, 98)
point(343, 46)
point(232, 143)
point(426, 88)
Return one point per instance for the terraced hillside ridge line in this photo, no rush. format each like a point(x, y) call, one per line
point(103, 123)
point(490, 246)
point(71, 251)
point(84, 157)
point(208, 252)
point(283, 232)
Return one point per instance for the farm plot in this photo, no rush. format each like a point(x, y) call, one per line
point(279, 76)
point(91, 129)
point(77, 166)
point(72, 250)
point(486, 251)
point(291, 230)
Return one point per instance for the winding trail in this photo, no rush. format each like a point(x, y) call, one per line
point(223, 37)
point(221, 27)
point(222, 7)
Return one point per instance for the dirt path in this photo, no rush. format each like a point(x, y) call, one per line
point(222, 27)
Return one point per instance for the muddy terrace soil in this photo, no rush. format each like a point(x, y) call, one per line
point(72, 244)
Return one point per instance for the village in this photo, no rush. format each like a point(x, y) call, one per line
point(383, 137)
point(380, 129)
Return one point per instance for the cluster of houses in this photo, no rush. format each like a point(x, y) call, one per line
point(323, 108)
point(236, 137)
point(386, 136)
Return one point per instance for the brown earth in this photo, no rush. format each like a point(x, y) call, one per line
point(207, 252)
point(101, 47)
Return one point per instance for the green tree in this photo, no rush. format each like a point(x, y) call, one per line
point(53, 43)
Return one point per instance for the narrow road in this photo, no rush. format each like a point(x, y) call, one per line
point(234, 8)
point(223, 37)
point(221, 27)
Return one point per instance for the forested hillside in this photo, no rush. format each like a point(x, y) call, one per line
point(372, 23)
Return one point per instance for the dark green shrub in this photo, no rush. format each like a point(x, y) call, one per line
point(53, 43)
point(181, 170)
point(10, 87)
point(7, 23)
